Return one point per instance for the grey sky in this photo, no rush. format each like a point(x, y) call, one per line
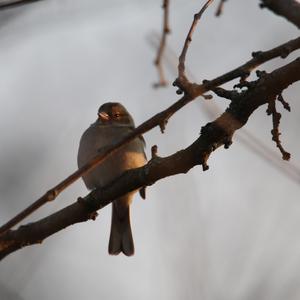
point(228, 233)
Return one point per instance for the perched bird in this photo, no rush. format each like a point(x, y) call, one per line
point(112, 124)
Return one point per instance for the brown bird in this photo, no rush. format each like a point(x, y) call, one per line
point(113, 123)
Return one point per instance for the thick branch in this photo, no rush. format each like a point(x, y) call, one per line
point(159, 119)
point(290, 9)
point(213, 135)
point(276, 116)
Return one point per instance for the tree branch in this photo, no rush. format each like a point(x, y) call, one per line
point(276, 116)
point(255, 145)
point(160, 119)
point(165, 31)
point(290, 9)
point(244, 71)
point(213, 135)
point(182, 81)
point(220, 8)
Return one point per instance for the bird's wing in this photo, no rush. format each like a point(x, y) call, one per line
point(142, 190)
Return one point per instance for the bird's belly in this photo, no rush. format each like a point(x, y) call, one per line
point(94, 141)
point(113, 167)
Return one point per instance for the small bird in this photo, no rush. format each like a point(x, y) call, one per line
point(112, 124)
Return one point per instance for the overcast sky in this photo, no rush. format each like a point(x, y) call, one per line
point(228, 233)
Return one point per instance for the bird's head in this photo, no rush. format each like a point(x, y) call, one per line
point(114, 113)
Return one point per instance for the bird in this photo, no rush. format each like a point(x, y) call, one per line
point(112, 124)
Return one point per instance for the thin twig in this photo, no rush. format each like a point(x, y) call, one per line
point(156, 120)
point(230, 95)
point(276, 116)
point(181, 65)
point(285, 104)
point(220, 8)
point(244, 70)
point(212, 136)
point(158, 60)
point(245, 137)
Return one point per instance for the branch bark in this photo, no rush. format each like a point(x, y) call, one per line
point(220, 8)
point(289, 9)
point(182, 82)
point(160, 119)
point(213, 135)
point(160, 52)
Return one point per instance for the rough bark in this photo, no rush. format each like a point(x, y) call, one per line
point(213, 135)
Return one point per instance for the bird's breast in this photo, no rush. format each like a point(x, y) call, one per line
point(95, 140)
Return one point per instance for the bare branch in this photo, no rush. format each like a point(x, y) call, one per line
point(244, 71)
point(231, 95)
point(285, 104)
point(159, 119)
point(213, 135)
point(158, 61)
point(182, 82)
point(276, 116)
point(220, 8)
point(290, 9)
point(245, 137)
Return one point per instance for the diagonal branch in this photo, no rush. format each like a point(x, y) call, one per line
point(276, 116)
point(159, 119)
point(213, 135)
point(290, 9)
point(255, 145)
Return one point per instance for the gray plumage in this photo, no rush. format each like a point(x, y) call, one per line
point(114, 123)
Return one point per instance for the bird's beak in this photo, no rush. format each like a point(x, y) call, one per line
point(103, 116)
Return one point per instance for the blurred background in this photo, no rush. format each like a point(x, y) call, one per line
point(229, 233)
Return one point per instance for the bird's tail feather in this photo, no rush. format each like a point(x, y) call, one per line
point(120, 234)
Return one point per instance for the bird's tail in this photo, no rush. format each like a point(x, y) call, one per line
point(120, 232)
